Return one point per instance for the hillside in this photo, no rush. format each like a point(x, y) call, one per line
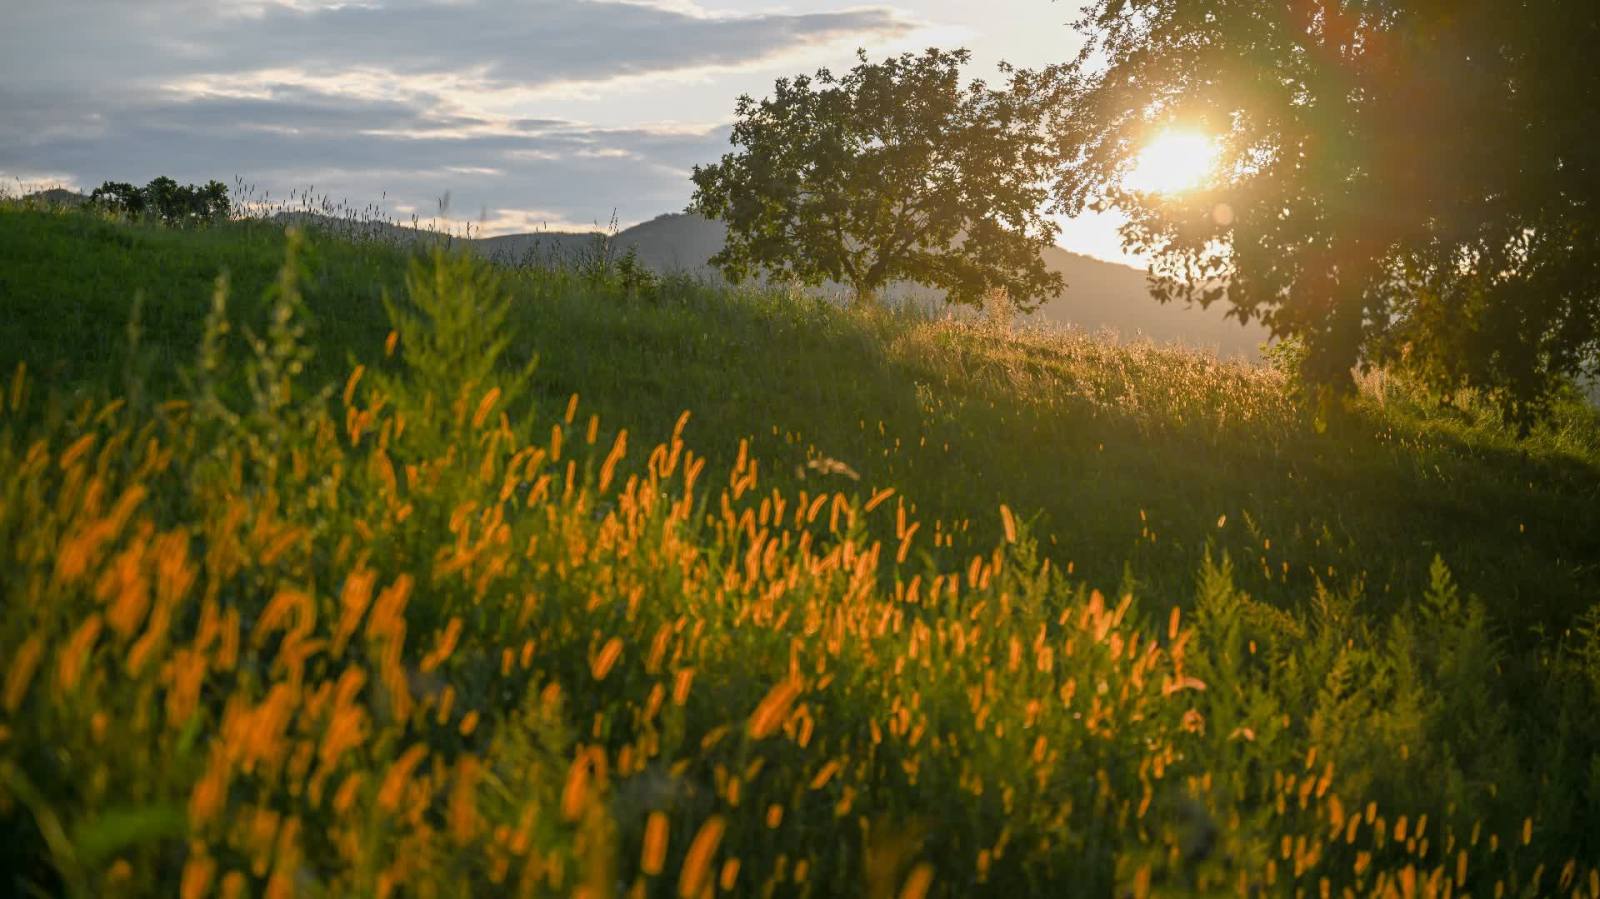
point(1065, 420)
point(56, 197)
point(667, 243)
point(1100, 295)
point(901, 600)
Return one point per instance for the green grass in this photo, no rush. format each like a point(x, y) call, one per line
point(1409, 592)
point(1124, 457)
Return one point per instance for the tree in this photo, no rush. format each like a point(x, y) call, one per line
point(165, 199)
point(894, 171)
point(1403, 182)
point(119, 196)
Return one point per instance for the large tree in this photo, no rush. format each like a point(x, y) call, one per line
point(1408, 182)
point(895, 171)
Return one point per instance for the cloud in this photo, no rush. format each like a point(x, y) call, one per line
point(542, 42)
point(359, 150)
point(499, 43)
point(408, 98)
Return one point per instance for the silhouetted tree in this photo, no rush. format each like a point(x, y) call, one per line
point(895, 171)
point(119, 196)
point(1409, 182)
point(166, 200)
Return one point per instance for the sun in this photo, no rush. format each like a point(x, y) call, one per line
point(1174, 162)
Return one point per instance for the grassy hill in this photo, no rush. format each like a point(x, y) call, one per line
point(858, 626)
point(1100, 297)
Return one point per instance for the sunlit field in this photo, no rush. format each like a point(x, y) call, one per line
point(337, 570)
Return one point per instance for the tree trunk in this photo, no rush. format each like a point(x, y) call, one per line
point(864, 297)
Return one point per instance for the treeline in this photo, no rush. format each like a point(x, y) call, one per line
point(166, 200)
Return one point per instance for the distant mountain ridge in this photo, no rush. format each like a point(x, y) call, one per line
point(1100, 295)
point(56, 196)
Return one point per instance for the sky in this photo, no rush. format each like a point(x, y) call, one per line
point(514, 115)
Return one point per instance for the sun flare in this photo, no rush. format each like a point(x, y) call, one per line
point(1174, 162)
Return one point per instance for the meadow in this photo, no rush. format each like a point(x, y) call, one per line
point(334, 568)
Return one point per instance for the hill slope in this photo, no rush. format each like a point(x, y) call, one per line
point(902, 601)
point(1100, 295)
point(1067, 423)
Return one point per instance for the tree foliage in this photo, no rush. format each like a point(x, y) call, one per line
point(1404, 182)
point(165, 199)
point(894, 171)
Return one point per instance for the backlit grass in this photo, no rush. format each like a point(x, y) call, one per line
point(357, 606)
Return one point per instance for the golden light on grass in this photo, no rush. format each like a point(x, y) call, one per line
point(608, 656)
point(277, 648)
point(1173, 162)
point(695, 866)
point(654, 853)
point(917, 884)
point(770, 713)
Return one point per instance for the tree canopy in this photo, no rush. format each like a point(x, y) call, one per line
point(894, 171)
point(1405, 182)
point(166, 200)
